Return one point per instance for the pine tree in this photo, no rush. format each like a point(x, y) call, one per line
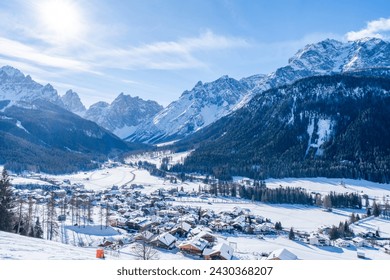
point(376, 211)
point(334, 233)
point(291, 234)
point(352, 218)
point(31, 232)
point(38, 232)
point(6, 202)
point(278, 226)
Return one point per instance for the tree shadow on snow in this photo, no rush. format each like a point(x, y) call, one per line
point(331, 249)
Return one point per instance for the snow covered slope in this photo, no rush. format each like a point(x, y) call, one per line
point(327, 57)
point(123, 115)
point(73, 103)
point(194, 110)
point(17, 247)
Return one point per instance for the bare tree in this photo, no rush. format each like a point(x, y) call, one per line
point(89, 209)
point(52, 225)
point(20, 216)
point(101, 216)
point(327, 203)
point(143, 251)
point(107, 214)
point(72, 208)
point(29, 220)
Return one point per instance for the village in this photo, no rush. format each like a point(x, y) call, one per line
point(176, 220)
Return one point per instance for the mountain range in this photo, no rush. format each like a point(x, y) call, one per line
point(206, 103)
point(37, 133)
point(321, 126)
point(301, 128)
point(195, 109)
point(123, 115)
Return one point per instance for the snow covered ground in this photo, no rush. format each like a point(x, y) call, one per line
point(373, 224)
point(28, 181)
point(19, 247)
point(16, 247)
point(122, 175)
point(338, 185)
point(156, 157)
point(250, 248)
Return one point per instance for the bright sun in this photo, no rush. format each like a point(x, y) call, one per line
point(61, 19)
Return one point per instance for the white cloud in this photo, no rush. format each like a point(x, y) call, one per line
point(29, 54)
point(180, 54)
point(375, 28)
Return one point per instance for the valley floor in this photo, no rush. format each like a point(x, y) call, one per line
point(78, 242)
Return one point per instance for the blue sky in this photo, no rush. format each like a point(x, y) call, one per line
point(156, 49)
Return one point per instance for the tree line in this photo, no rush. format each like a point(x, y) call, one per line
point(12, 216)
point(29, 217)
point(284, 195)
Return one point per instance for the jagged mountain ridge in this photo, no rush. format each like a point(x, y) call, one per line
point(194, 110)
point(72, 102)
point(123, 115)
point(323, 126)
point(326, 57)
point(120, 117)
point(15, 86)
point(38, 131)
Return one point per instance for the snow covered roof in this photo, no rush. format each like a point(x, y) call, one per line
point(197, 242)
point(357, 239)
point(166, 238)
point(222, 249)
point(141, 221)
point(282, 254)
point(199, 229)
point(184, 226)
point(147, 235)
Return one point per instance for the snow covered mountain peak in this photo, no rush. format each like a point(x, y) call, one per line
point(123, 115)
point(15, 86)
point(73, 103)
point(318, 57)
point(207, 102)
point(11, 71)
point(333, 56)
point(195, 109)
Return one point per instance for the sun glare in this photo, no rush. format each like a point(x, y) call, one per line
point(60, 19)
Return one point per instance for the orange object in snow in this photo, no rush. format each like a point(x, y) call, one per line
point(100, 253)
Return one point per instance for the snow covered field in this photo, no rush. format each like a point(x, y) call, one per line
point(338, 185)
point(156, 157)
point(121, 175)
point(372, 224)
